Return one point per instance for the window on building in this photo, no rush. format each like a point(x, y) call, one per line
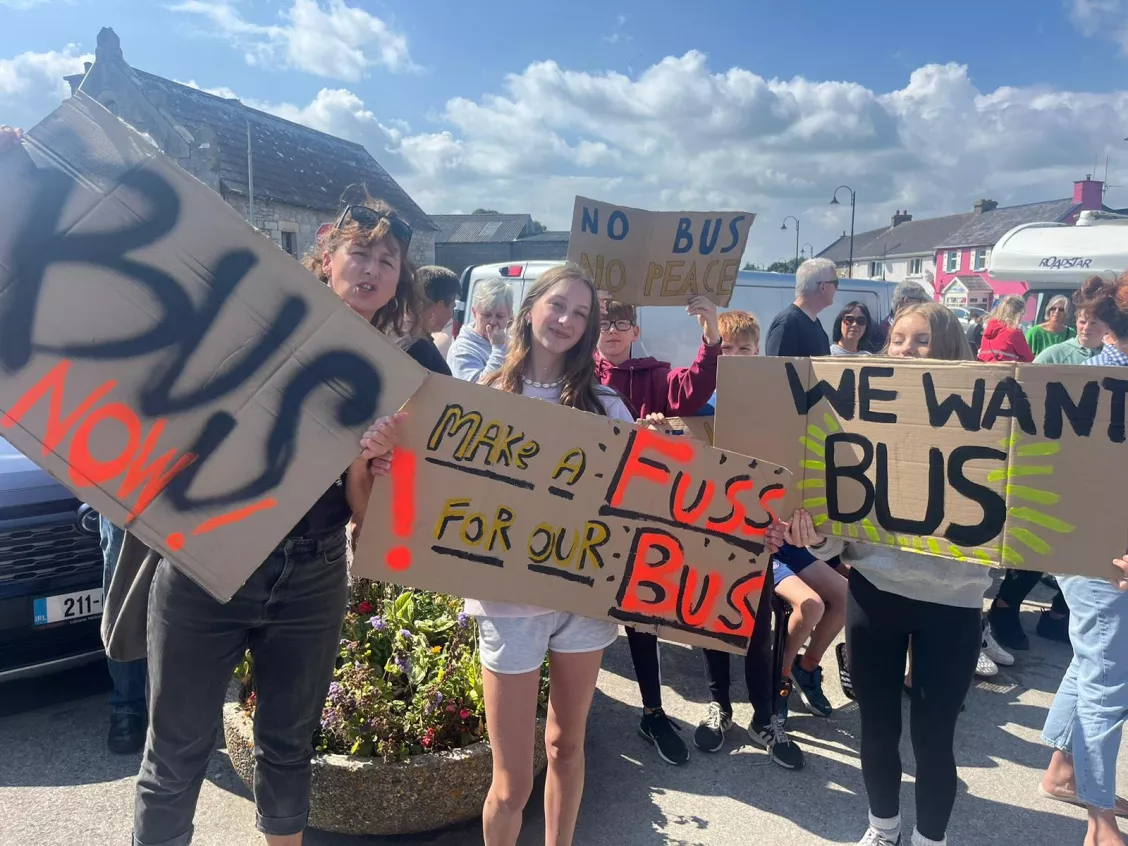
point(980, 259)
point(875, 269)
point(915, 267)
point(290, 242)
point(952, 261)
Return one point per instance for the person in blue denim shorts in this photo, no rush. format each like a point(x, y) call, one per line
point(1086, 720)
point(127, 700)
point(288, 614)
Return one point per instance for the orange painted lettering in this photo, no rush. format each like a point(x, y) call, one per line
point(54, 385)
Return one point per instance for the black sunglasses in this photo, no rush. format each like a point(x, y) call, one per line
point(851, 320)
point(367, 218)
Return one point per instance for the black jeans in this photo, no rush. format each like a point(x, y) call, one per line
point(945, 648)
point(1016, 586)
point(757, 663)
point(289, 615)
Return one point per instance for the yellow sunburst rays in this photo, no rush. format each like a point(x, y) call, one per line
point(1025, 493)
point(815, 443)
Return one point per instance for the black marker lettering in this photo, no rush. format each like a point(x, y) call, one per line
point(841, 398)
point(934, 513)
point(993, 505)
point(868, 394)
point(856, 472)
point(969, 414)
point(1017, 406)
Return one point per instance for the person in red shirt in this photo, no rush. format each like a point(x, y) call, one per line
point(653, 387)
point(1003, 340)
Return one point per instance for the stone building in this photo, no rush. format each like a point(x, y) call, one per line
point(295, 175)
point(466, 240)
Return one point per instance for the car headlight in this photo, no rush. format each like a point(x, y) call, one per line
point(88, 520)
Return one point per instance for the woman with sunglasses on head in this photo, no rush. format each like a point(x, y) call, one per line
point(288, 613)
point(853, 330)
point(1054, 330)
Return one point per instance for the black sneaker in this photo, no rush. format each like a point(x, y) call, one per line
point(844, 672)
point(1053, 628)
point(663, 733)
point(782, 709)
point(127, 734)
point(782, 749)
point(710, 734)
point(1007, 628)
point(810, 689)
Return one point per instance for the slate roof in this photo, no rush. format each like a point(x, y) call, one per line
point(984, 230)
point(974, 283)
point(291, 163)
point(925, 236)
point(552, 235)
point(914, 237)
point(480, 228)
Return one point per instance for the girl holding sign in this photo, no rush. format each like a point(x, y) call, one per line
point(900, 603)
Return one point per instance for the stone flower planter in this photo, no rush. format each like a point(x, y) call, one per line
point(353, 795)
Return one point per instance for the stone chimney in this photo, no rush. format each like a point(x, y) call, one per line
point(1088, 193)
point(984, 206)
point(109, 46)
point(900, 217)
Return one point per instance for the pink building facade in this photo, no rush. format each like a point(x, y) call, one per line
point(968, 250)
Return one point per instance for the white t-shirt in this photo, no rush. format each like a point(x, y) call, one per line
point(617, 410)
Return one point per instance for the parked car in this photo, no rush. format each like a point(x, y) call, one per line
point(667, 333)
point(50, 573)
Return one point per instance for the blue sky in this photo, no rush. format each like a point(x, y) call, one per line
point(758, 105)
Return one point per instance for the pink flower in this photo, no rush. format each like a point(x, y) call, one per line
point(450, 708)
point(425, 742)
point(464, 713)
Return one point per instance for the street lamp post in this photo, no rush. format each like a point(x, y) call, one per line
point(834, 202)
point(810, 248)
point(784, 226)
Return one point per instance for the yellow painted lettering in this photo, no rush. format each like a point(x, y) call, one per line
point(673, 274)
point(653, 274)
point(573, 463)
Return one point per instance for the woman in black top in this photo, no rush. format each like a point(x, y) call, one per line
point(288, 613)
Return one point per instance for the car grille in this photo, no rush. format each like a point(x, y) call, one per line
point(54, 551)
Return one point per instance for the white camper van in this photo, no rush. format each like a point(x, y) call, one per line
point(668, 333)
point(1055, 258)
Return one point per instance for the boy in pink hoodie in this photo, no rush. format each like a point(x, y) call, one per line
point(655, 387)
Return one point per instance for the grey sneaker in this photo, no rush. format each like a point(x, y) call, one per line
point(781, 748)
point(811, 689)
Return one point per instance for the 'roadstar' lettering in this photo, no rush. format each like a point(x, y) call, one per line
point(1063, 263)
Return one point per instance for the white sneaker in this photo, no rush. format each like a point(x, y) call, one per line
point(877, 837)
point(995, 652)
point(985, 667)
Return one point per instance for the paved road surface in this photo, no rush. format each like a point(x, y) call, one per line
point(59, 786)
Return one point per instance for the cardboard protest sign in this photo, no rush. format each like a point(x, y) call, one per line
point(501, 497)
point(700, 428)
point(658, 258)
point(1012, 465)
point(168, 364)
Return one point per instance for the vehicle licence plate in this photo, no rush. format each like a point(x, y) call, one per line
point(68, 606)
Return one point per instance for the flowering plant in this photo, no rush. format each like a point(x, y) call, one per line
point(408, 680)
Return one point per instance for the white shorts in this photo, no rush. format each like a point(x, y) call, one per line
point(513, 645)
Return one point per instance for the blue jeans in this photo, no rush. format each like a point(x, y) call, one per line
point(1088, 712)
point(128, 696)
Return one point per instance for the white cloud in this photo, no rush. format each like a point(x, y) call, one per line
point(324, 37)
point(23, 4)
point(681, 135)
point(35, 80)
point(1101, 18)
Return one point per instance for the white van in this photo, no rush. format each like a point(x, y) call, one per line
point(668, 333)
point(1055, 258)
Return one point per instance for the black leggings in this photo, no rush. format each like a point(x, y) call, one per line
point(945, 648)
point(644, 656)
point(757, 663)
point(1016, 586)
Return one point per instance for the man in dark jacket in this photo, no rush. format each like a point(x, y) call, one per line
point(655, 387)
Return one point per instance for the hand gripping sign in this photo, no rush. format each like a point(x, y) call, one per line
point(168, 364)
point(1019, 466)
point(502, 497)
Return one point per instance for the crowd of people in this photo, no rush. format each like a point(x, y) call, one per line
point(913, 623)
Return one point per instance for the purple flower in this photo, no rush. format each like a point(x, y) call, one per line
point(378, 624)
point(334, 689)
point(405, 633)
point(463, 619)
point(439, 698)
